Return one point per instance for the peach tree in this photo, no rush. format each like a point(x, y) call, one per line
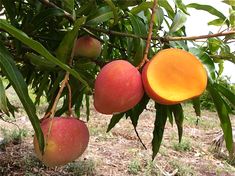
point(39, 50)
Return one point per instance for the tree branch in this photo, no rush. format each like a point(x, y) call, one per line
point(170, 38)
point(163, 39)
point(51, 4)
point(145, 58)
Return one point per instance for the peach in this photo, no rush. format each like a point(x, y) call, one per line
point(118, 87)
point(66, 140)
point(87, 46)
point(173, 76)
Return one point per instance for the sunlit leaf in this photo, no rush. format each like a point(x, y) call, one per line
point(178, 21)
point(142, 7)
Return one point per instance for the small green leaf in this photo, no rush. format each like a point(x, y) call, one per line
point(141, 7)
point(114, 9)
point(178, 21)
point(179, 117)
point(226, 92)
point(216, 22)
point(229, 2)
point(223, 116)
point(101, 15)
point(41, 17)
point(63, 52)
point(69, 5)
point(3, 98)
point(16, 79)
point(159, 16)
point(168, 8)
point(39, 61)
point(196, 105)
point(114, 120)
point(181, 6)
point(159, 125)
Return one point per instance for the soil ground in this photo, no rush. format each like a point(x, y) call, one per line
point(119, 152)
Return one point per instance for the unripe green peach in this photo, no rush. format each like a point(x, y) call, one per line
point(87, 46)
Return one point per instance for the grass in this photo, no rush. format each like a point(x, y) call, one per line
point(134, 167)
point(82, 167)
point(15, 136)
point(184, 169)
point(183, 146)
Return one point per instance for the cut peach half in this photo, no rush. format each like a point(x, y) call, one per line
point(173, 76)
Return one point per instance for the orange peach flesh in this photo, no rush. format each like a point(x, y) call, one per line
point(174, 75)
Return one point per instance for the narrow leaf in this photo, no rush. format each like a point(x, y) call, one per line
point(3, 98)
point(178, 21)
point(114, 9)
point(63, 52)
point(208, 9)
point(223, 116)
point(159, 125)
point(87, 107)
point(101, 15)
point(114, 120)
point(196, 106)
point(17, 81)
point(179, 117)
point(226, 92)
point(141, 7)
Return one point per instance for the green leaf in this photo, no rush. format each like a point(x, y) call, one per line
point(170, 116)
point(41, 17)
point(135, 112)
point(69, 5)
point(179, 117)
point(181, 6)
point(168, 8)
point(3, 98)
point(208, 9)
point(101, 15)
point(38, 47)
point(229, 2)
point(226, 92)
point(178, 21)
point(39, 61)
point(65, 48)
point(159, 16)
point(114, 9)
point(87, 107)
point(159, 125)
point(232, 17)
point(223, 116)
point(196, 105)
point(216, 22)
point(139, 44)
point(114, 120)
point(141, 7)
point(9, 68)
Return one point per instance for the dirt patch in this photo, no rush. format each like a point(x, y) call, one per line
point(120, 153)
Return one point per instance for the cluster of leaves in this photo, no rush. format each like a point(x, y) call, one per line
point(37, 38)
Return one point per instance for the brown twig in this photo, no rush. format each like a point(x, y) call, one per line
point(145, 58)
point(51, 4)
point(70, 112)
point(164, 39)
